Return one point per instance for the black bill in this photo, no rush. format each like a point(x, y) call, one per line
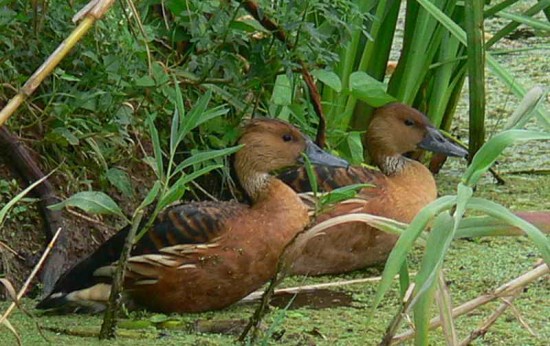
point(318, 156)
point(436, 142)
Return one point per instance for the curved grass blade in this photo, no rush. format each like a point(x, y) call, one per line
point(495, 67)
point(157, 151)
point(498, 211)
point(405, 242)
point(437, 245)
point(487, 155)
point(205, 156)
point(19, 196)
point(536, 24)
point(525, 109)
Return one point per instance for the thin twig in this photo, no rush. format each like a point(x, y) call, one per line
point(444, 302)
point(482, 330)
point(31, 276)
point(308, 288)
point(524, 323)
point(398, 318)
point(505, 290)
point(7, 247)
point(85, 217)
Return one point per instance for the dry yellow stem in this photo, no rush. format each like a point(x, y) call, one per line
point(91, 12)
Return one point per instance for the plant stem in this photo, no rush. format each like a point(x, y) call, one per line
point(115, 299)
point(476, 73)
point(505, 290)
point(93, 11)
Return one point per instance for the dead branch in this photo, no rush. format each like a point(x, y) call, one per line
point(484, 328)
point(23, 164)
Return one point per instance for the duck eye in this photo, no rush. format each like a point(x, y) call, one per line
point(287, 138)
point(409, 122)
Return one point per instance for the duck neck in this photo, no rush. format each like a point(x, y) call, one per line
point(256, 184)
point(390, 164)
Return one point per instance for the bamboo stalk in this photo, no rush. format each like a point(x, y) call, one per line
point(91, 13)
point(505, 290)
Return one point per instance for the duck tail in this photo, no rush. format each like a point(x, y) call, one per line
point(92, 299)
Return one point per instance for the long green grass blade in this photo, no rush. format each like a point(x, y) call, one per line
point(498, 7)
point(437, 244)
point(536, 24)
point(157, 151)
point(495, 67)
point(536, 8)
point(525, 109)
point(540, 240)
point(205, 156)
point(405, 242)
point(6, 208)
point(488, 154)
point(436, 248)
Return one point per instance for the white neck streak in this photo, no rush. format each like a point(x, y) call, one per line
point(392, 165)
point(255, 183)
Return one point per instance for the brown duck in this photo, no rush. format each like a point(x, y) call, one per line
point(400, 189)
point(207, 255)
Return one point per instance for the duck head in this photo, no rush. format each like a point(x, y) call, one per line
point(270, 145)
point(396, 129)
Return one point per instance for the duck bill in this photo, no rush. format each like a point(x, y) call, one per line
point(318, 156)
point(436, 142)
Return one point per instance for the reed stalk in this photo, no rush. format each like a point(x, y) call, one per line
point(90, 14)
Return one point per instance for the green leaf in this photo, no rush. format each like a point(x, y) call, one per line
point(355, 147)
point(120, 180)
point(488, 153)
point(145, 82)
point(404, 279)
point(369, 90)
point(67, 135)
point(437, 244)
point(436, 248)
point(158, 318)
point(94, 202)
point(205, 156)
point(151, 195)
point(329, 78)
point(523, 111)
point(311, 176)
point(177, 190)
point(199, 114)
point(157, 150)
point(341, 193)
point(178, 120)
point(6, 208)
point(282, 91)
point(536, 24)
point(405, 243)
point(539, 239)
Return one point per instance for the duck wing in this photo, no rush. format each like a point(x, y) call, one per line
point(330, 178)
point(177, 230)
